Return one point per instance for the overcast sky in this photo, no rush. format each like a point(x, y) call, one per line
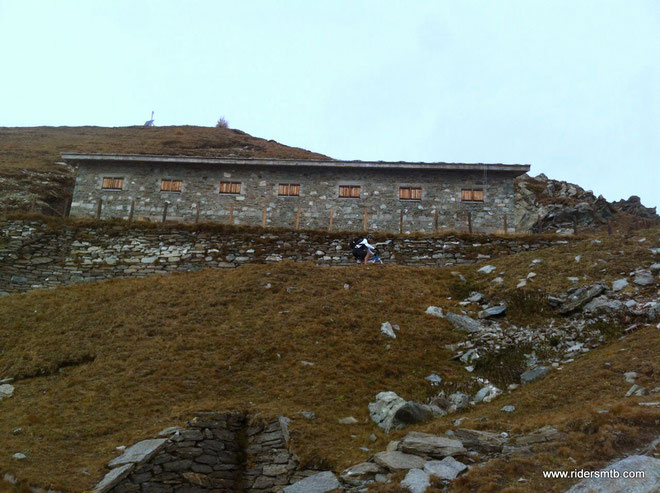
point(571, 88)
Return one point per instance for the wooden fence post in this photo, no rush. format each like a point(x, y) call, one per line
point(575, 227)
point(609, 228)
point(165, 211)
point(401, 222)
point(365, 221)
point(469, 222)
point(435, 221)
point(99, 208)
point(6, 213)
point(131, 212)
point(506, 228)
point(197, 213)
point(298, 218)
point(331, 215)
point(33, 205)
point(263, 217)
point(231, 214)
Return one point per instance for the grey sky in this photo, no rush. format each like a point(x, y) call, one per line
point(568, 87)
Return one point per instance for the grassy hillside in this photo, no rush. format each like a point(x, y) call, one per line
point(108, 364)
point(28, 155)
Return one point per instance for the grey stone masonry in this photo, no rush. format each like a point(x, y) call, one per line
point(438, 202)
point(36, 255)
point(216, 452)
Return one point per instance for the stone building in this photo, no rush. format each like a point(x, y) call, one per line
point(310, 194)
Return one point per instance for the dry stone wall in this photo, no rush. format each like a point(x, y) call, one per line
point(36, 255)
point(215, 452)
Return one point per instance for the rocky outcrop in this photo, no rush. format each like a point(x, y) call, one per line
point(549, 205)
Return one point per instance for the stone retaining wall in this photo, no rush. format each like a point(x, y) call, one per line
point(36, 255)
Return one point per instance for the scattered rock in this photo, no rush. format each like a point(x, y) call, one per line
point(493, 311)
point(6, 390)
point(416, 481)
point(534, 374)
point(308, 414)
point(580, 298)
point(619, 284)
point(398, 461)
point(498, 280)
point(434, 310)
point(349, 420)
point(387, 329)
point(636, 390)
point(464, 323)
point(545, 434)
point(447, 468)
point(360, 473)
point(19, 456)
point(458, 400)
point(644, 278)
point(487, 393)
point(475, 297)
point(508, 409)
point(630, 376)
point(481, 441)
point(433, 378)
point(487, 269)
point(382, 411)
point(318, 483)
point(425, 444)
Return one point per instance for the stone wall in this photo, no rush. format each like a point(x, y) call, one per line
point(36, 255)
point(440, 206)
point(215, 452)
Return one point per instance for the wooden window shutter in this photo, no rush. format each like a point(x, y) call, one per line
point(233, 187)
point(478, 195)
point(110, 183)
point(169, 185)
point(410, 193)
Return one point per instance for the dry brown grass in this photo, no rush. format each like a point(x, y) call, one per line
point(107, 364)
point(110, 363)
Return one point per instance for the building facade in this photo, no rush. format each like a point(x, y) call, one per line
point(339, 195)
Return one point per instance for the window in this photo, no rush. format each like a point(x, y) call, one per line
point(110, 183)
point(349, 191)
point(288, 190)
point(167, 185)
point(472, 195)
point(410, 193)
point(230, 187)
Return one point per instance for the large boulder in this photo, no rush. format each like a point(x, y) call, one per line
point(390, 411)
point(639, 465)
point(427, 445)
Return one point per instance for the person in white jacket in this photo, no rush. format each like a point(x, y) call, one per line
point(363, 249)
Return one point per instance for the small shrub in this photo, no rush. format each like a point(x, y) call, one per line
point(525, 306)
point(459, 290)
point(505, 366)
point(222, 123)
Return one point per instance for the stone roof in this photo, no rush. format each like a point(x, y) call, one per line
point(74, 158)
